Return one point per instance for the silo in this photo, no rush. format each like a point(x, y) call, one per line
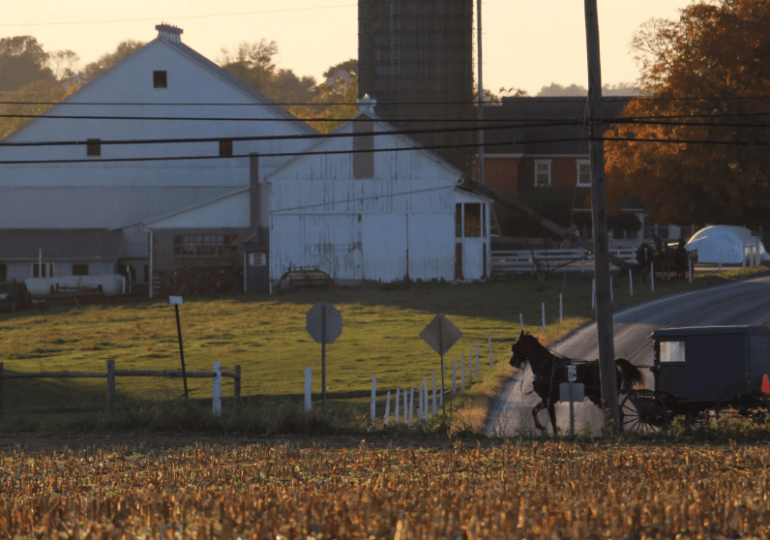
point(415, 57)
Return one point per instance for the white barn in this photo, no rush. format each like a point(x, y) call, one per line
point(367, 204)
point(164, 91)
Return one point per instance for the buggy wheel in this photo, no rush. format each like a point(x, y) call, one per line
point(742, 400)
point(643, 411)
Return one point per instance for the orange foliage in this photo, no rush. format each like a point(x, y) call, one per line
point(706, 74)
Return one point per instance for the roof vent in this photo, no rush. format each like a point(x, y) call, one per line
point(169, 32)
point(366, 104)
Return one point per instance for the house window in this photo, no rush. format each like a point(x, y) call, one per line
point(79, 269)
point(47, 270)
point(472, 227)
point(159, 79)
point(542, 173)
point(583, 172)
point(3, 272)
point(226, 147)
point(94, 147)
point(205, 245)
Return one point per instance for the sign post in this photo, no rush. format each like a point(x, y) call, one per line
point(441, 334)
point(324, 324)
point(177, 301)
point(572, 392)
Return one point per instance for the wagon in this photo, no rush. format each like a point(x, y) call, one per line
point(702, 373)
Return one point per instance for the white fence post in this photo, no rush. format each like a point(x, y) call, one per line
point(216, 391)
point(593, 293)
point(425, 397)
point(454, 375)
point(630, 282)
point(308, 386)
point(419, 403)
point(470, 365)
point(435, 403)
point(462, 372)
point(652, 277)
point(491, 360)
point(411, 406)
point(561, 308)
point(374, 403)
point(395, 415)
point(477, 359)
point(387, 408)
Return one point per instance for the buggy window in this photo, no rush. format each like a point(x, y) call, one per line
point(672, 351)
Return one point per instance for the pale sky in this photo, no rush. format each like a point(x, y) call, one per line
point(527, 44)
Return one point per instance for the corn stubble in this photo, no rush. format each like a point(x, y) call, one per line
point(526, 490)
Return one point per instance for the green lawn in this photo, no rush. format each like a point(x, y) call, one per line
point(266, 335)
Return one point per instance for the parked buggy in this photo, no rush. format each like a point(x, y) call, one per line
point(702, 373)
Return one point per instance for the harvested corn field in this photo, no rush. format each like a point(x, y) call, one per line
point(516, 490)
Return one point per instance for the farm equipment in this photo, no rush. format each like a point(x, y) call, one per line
point(14, 297)
point(702, 373)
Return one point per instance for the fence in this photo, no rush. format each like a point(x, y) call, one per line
point(216, 374)
point(554, 260)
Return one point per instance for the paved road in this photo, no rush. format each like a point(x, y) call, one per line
point(745, 302)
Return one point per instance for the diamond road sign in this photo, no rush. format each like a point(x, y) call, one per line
point(314, 320)
point(441, 334)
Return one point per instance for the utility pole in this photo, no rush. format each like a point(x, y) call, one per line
point(599, 216)
point(481, 95)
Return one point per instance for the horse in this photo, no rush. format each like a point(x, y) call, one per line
point(549, 370)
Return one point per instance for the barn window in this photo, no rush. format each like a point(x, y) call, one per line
point(159, 79)
point(47, 270)
point(79, 269)
point(205, 245)
point(226, 147)
point(94, 147)
point(472, 216)
point(672, 351)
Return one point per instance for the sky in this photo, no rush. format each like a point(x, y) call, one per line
point(526, 44)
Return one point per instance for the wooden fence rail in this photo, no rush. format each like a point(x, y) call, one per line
point(216, 374)
point(554, 260)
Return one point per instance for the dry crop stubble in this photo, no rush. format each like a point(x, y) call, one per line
point(283, 491)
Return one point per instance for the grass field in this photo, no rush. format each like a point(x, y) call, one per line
point(266, 335)
point(526, 490)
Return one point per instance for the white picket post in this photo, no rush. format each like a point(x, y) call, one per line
point(470, 365)
point(308, 386)
point(435, 403)
point(630, 282)
point(477, 359)
point(652, 277)
point(374, 403)
point(395, 411)
point(425, 397)
point(561, 308)
point(454, 375)
point(593, 293)
point(419, 404)
point(521, 320)
point(491, 360)
point(406, 408)
point(462, 372)
point(411, 407)
point(216, 391)
point(387, 408)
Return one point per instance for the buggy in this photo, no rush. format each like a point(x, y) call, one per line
point(702, 373)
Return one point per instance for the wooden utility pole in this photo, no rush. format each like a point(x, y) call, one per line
point(599, 215)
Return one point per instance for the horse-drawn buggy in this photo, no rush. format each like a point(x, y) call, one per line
point(700, 373)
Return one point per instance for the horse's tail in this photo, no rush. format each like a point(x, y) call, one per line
point(630, 375)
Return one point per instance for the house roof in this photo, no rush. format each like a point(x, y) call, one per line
point(557, 125)
point(59, 245)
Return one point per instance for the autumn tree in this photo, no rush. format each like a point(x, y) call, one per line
point(696, 152)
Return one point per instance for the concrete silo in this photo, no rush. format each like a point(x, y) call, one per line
point(415, 57)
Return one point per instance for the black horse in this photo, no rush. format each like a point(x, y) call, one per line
point(550, 370)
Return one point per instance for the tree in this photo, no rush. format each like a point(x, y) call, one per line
point(252, 63)
point(22, 61)
point(574, 90)
point(704, 73)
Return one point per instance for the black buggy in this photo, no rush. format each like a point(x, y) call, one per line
point(702, 373)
